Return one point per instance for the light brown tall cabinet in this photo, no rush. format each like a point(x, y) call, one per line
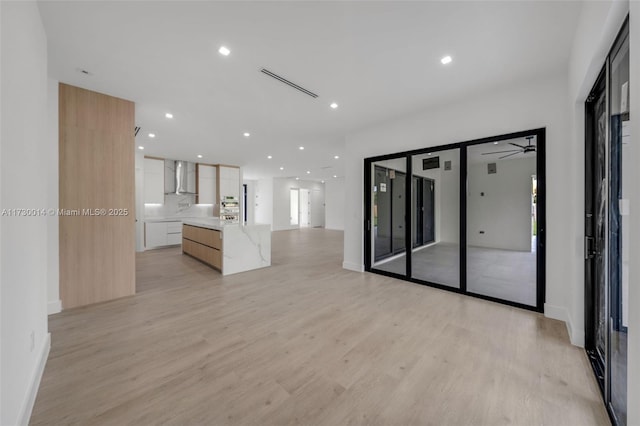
point(96, 171)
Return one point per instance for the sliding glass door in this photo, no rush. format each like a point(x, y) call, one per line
point(436, 203)
point(501, 219)
point(466, 217)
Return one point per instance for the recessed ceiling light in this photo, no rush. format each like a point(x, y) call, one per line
point(495, 143)
point(301, 148)
point(199, 155)
point(429, 154)
point(281, 168)
point(168, 115)
point(246, 134)
point(336, 156)
point(322, 181)
point(269, 157)
point(224, 51)
point(141, 147)
point(308, 172)
point(152, 135)
point(297, 178)
point(334, 105)
point(447, 59)
point(335, 176)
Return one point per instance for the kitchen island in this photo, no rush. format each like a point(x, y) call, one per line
point(228, 247)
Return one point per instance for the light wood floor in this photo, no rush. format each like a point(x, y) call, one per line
point(306, 342)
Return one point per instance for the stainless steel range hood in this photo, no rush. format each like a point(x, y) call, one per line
point(179, 177)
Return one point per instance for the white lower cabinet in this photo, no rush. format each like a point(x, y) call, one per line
point(161, 234)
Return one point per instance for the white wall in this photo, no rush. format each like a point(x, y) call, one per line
point(281, 200)
point(541, 103)
point(264, 202)
point(633, 343)
point(24, 176)
point(54, 305)
point(334, 204)
point(504, 212)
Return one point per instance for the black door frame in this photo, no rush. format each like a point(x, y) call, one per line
point(540, 135)
point(591, 243)
point(602, 368)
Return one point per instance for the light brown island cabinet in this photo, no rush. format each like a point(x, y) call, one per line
point(203, 244)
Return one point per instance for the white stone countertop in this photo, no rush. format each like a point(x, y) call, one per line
point(217, 224)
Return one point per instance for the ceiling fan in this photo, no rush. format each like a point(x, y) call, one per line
point(521, 149)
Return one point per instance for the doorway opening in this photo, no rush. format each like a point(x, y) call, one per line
point(305, 208)
point(294, 207)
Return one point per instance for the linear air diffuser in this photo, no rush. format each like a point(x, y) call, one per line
point(287, 82)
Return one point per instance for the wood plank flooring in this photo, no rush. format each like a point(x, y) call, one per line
point(306, 342)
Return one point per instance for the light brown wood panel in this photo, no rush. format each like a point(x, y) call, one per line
point(96, 171)
point(208, 237)
point(307, 342)
point(204, 253)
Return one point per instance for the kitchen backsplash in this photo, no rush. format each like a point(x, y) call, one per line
point(178, 206)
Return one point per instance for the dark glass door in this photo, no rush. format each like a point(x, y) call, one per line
point(595, 228)
point(398, 184)
point(428, 211)
point(382, 213)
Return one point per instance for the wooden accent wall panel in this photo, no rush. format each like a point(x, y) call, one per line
point(96, 148)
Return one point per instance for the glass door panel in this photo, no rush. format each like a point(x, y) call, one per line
point(619, 178)
point(388, 229)
point(501, 220)
point(435, 217)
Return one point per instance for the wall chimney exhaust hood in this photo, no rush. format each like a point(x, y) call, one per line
point(179, 177)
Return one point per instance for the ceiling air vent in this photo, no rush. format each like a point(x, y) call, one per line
point(136, 130)
point(287, 82)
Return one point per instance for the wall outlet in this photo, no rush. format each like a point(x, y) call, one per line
point(33, 340)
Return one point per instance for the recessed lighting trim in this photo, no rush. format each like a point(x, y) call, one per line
point(246, 134)
point(308, 172)
point(224, 50)
point(336, 156)
point(152, 135)
point(141, 147)
point(269, 157)
point(446, 60)
point(199, 155)
point(301, 148)
point(168, 115)
point(334, 105)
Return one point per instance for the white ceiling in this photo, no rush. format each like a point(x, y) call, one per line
point(377, 60)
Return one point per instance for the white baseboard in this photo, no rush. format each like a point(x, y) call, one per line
point(54, 307)
point(353, 266)
point(562, 314)
point(34, 384)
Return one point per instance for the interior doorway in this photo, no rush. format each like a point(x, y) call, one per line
point(294, 207)
point(305, 208)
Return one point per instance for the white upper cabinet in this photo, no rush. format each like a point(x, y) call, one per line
point(206, 184)
point(229, 182)
point(153, 181)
